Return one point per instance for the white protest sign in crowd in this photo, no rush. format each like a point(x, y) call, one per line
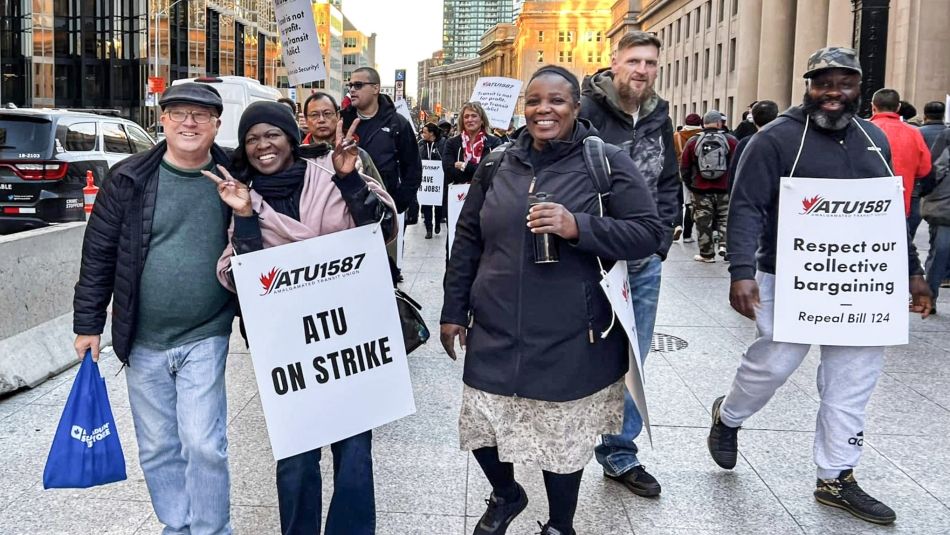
point(433, 180)
point(402, 108)
point(616, 286)
point(457, 195)
point(498, 96)
point(299, 45)
point(325, 338)
point(841, 262)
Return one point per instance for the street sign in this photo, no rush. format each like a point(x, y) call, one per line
point(156, 84)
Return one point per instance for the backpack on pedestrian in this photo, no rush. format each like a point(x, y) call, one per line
point(712, 155)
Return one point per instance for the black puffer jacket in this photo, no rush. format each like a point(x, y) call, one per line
point(116, 244)
point(454, 152)
point(535, 328)
point(649, 143)
point(388, 138)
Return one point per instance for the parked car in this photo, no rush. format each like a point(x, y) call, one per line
point(237, 93)
point(44, 156)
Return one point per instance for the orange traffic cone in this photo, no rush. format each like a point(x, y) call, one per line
point(89, 193)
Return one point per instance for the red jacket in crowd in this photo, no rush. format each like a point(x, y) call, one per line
point(909, 152)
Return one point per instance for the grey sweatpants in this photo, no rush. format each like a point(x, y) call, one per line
point(846, 379)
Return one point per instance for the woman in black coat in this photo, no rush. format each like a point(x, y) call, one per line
point(541, 382)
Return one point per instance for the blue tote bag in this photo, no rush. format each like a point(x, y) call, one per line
point(86, 451)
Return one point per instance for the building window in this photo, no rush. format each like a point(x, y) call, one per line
point(705, 106)
point(696, 18)
point(351, 59)
point(722, 9)
point(677, 30)
point(719, 58)
point(735, 7)
point(350, 42)
point(540, 56)
point(732, 54)
point(686, 26)
point(676, 72)
point(565, 36)
point(592, 57)
point(716, 105)
point(660, 78)
point(731, 109)
point(696, 66)
point(565, 56)
point(709, 14)
point(706, 64)
point(686, 70)
point(540, 36)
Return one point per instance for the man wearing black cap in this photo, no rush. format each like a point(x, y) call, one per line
point(827, 139)
point(151, 247)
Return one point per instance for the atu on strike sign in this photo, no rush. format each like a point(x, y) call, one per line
point(841, 262)
point(325, 338)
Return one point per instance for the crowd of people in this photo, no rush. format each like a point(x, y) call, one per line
point(549, 209)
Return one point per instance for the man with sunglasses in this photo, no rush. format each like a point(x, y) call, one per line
point(151, 247)
point(385, 135)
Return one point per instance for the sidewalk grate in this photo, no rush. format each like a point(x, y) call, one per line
point(666, 343)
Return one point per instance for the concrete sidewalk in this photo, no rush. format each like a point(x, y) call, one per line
point(425, 485)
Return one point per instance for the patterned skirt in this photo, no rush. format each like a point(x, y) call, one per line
point(557, 436)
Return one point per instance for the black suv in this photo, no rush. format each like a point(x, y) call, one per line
point(44, 156)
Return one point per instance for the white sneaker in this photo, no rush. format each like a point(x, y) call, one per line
point(700, 258)
point(677, 232)
point(689, 240)
point(722, 251)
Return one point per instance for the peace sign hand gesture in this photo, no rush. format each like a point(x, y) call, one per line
point(345, 151)
point(234, 193)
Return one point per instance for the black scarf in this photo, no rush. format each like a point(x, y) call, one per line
point(281, 190)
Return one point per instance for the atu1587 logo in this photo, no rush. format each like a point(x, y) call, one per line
point(279, 280)
point(819, 206)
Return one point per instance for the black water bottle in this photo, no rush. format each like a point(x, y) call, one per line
point(545, 245)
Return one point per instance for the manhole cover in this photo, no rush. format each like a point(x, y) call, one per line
point(665, 343)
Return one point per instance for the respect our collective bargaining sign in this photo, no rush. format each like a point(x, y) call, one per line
point(841, 262)
point(325, 338)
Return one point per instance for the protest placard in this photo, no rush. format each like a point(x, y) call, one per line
point(299, 45)
point(402, 108)
point(617, 287)
point(457, 195)
point(325, 338)
point(498, 96)
point(841, 262)
point(400, 238)
point(433, 180)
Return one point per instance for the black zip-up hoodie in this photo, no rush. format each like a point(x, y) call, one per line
point(389, 140)
point(535, 328)
point(769, 156)
point(115, 246)
point(649, 143)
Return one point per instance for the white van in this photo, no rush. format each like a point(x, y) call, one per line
point(237, 92)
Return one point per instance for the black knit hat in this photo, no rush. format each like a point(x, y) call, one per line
point(270, 112)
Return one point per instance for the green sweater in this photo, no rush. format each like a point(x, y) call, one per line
point(180, 298)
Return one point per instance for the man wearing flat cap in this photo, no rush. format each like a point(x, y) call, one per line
point(828, 140)
point(151, 247)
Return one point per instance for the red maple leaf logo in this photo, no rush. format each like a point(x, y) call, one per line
point(626, 291)
point(461, 196)
point(808, 204)
point(267, 280)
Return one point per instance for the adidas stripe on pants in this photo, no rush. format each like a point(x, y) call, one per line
point(846, 379)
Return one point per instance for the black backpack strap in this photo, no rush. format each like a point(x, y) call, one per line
point(595, 156)
point(489, 167)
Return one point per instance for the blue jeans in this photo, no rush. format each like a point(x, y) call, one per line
point(179, 407)
point(618, 453)
point(938, 260)
point(353, 506)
